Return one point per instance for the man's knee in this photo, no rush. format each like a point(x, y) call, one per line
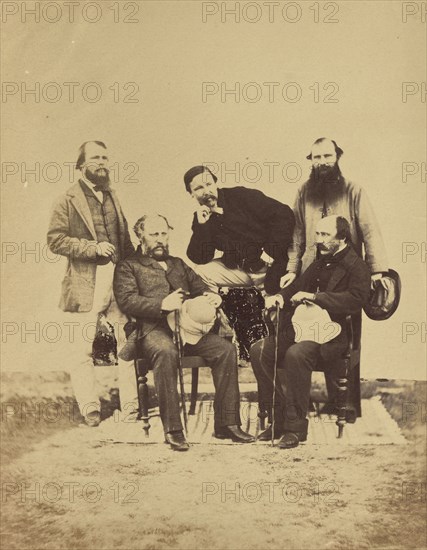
point(165, 355)
point(264, 348)
point(205, 271)
point(294, 355)
point(262, 354)
point(255, 352)
point(227, 351)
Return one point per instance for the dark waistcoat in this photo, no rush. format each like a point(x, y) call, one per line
point(105, 220)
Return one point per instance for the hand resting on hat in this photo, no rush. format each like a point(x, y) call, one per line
point(385, 283)
point(174, 300)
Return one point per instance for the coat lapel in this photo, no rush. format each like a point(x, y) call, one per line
point(79, 202)
point(342, 269)
point(337, 275)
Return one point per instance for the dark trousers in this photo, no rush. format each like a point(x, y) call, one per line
point(295, 364)
point(219, 354)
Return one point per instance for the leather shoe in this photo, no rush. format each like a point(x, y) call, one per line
point(235, 433)
point(266, 434)
point(93, 419)
point(290, 440)
point(177, 441)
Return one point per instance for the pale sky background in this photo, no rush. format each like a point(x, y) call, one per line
point(169, 53)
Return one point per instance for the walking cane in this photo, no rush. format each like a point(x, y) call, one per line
point(180, 370)
point(276, 353)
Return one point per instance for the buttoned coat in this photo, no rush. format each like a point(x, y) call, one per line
point(347, 290)
point(72, 234)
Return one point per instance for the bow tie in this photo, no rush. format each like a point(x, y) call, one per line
point(100, 188)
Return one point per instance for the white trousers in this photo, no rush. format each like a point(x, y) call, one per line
point(82, 370)
point(216, 274)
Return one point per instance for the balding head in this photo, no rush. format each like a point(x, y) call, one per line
point(153, 233)
point(325, 146)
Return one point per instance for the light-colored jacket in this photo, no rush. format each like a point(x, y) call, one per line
point(72, 233)
point(353, 205)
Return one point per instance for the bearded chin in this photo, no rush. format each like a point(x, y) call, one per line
point(98, 179)
point(146, 251)
point(325, 184)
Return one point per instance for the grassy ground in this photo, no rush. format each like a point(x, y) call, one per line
point(63, 490)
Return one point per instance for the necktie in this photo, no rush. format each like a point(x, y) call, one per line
point(101, 188)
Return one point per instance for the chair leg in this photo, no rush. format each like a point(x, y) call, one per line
point(194, 389)
point(342, 398)
point(141, 370)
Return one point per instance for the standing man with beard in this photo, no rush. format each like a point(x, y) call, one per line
point(89, 228)
point(327, 192)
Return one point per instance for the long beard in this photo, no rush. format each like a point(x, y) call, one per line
point(100, 178)
point(325, 184)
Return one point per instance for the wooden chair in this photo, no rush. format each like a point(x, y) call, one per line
point(142, 366)
point(349, 376)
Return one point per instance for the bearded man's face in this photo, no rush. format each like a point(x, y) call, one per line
point(325, 181)
point(96, 165)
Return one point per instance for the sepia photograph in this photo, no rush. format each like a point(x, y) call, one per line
point(213, 275)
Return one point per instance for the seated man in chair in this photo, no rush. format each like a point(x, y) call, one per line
point(339, 282)
point(149, 285)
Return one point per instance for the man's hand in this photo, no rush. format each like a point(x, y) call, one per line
point(213, 299)
point(105, 249)
point(301, 297)
point(287, 279)
point(272, 301)
point(174, 300)
point(203, 213)
point(379, 277)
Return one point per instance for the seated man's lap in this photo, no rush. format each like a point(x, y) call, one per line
point(210, 347)
point(264, 350)
point(158, 340)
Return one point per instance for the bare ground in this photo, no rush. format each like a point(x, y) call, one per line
point(63, 490)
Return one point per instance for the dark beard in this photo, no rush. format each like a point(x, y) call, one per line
point(99, 179)
point(325, 184)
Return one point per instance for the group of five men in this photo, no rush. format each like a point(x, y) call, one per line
point(314, 256)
